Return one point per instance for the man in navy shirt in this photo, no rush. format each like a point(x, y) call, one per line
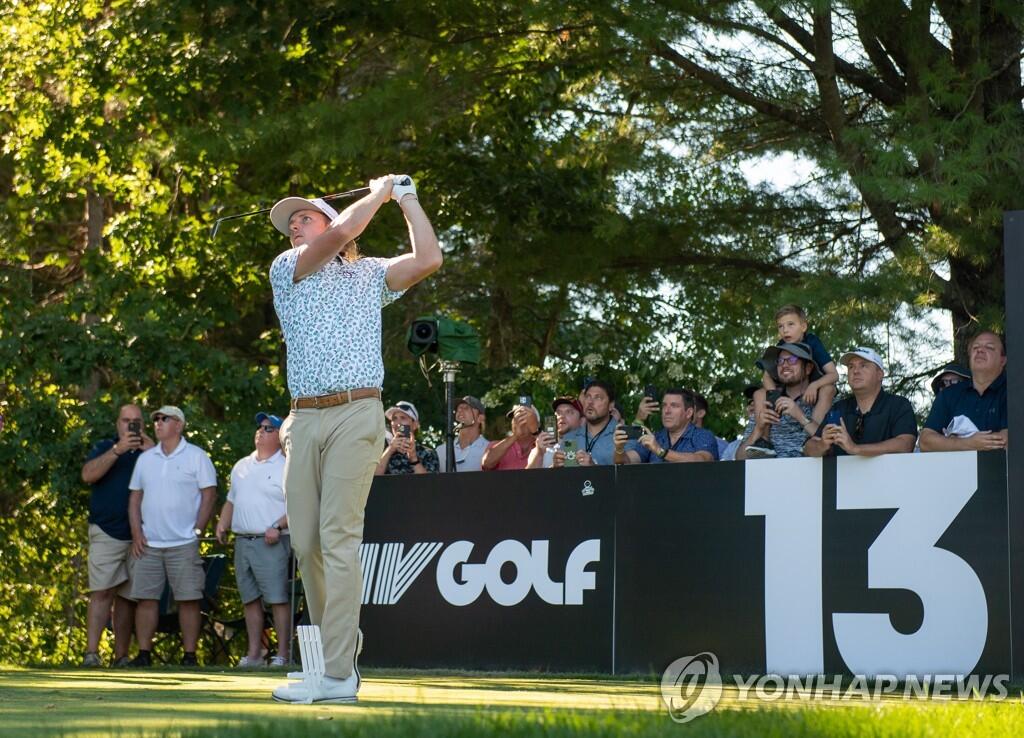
point(982, 399)
point(870, 422)
point(108, 469)
point(679, 439)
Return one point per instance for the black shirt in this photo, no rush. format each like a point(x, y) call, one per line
point(889, 416)
point(108, 504)
point(987, 411)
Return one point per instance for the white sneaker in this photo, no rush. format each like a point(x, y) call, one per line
point(329, 690)
point(247, 663)
point(278, 661)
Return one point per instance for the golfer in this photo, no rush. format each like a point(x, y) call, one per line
point(329, 299)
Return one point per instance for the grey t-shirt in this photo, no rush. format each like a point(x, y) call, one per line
point(788, 436)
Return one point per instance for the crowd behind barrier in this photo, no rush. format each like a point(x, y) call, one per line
point(152, 497)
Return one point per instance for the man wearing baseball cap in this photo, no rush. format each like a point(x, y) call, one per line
point(403, 453)
point(568, 417)
point(870, 421)
point(470, 443)
point(513, 451)
point(255, 513)
point(329, 303)
point(173, 489)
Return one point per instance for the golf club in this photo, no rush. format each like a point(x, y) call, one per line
point(327, 198)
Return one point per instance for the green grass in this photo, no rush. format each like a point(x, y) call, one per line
point(207, 702)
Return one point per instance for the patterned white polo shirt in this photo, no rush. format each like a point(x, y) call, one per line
point(331, 323)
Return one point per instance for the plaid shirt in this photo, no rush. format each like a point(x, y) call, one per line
point(399, 463)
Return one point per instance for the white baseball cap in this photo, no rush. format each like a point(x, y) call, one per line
point(406, 407)
point(866, 353)
point(284, 209)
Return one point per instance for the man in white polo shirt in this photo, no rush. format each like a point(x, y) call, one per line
point(255, 512)
point(173, 487)
point(329, 300)
point(470, 443)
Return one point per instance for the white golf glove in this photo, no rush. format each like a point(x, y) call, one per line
point(403, 186)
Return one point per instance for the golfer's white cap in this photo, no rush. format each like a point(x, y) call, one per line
point(284, 209)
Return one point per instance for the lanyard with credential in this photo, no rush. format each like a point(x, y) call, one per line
point(586, 436)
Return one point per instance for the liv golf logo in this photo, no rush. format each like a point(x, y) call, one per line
point(389, 570)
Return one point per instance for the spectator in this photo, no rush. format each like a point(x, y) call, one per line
point(869, 422)
point(595, 438)
point(470, 442)
point(679, 440)
point(255, 513)
point(700, 414)
point(108, 470)
point(568, 415)
point(981, 400)
point(748, 395)
point(172, 488)
point(791, 323)
point(952, 373)
point(513, 451)
point(404, 454)
point(785, 423)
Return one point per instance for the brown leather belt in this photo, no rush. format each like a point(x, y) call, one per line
point(338, 398)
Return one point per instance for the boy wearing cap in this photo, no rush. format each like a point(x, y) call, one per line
point(470, 443)
point(329, 303)
point(255, 513)
point(173, 487)
point(513, 451)
point(869, 422)
point(403, 453)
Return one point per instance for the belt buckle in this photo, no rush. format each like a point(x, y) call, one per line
point(316, 402)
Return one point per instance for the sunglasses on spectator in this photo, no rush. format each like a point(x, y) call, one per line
point(858, 428)
point(164, 418)
point(268, 429)
point(788, 360)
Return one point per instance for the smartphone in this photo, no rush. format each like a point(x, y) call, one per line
point(135, 427)
point(405, 431)
point(652, 392)
point(551, 425)
point(773, 396)
point(833, 418)
point(633, 432)
point(587, 381)
point(525, 400)
point(570, 453)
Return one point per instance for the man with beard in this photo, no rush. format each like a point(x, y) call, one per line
point(871, 421)
point(787, 422)
point(595, 438)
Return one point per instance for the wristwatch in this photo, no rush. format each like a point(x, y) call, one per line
point(277, 527)
point(198, 532)
point(663, 453)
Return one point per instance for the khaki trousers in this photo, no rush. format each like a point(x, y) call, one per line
point(331, 457)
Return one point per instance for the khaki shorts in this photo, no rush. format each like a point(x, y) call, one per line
point(262, 570)
point(180, 565)
point(110, 562)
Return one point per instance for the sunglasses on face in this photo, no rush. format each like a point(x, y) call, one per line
point(791, 360)
point(164, 418)
point(268, 429)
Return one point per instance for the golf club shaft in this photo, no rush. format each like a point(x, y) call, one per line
point(359, 192)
